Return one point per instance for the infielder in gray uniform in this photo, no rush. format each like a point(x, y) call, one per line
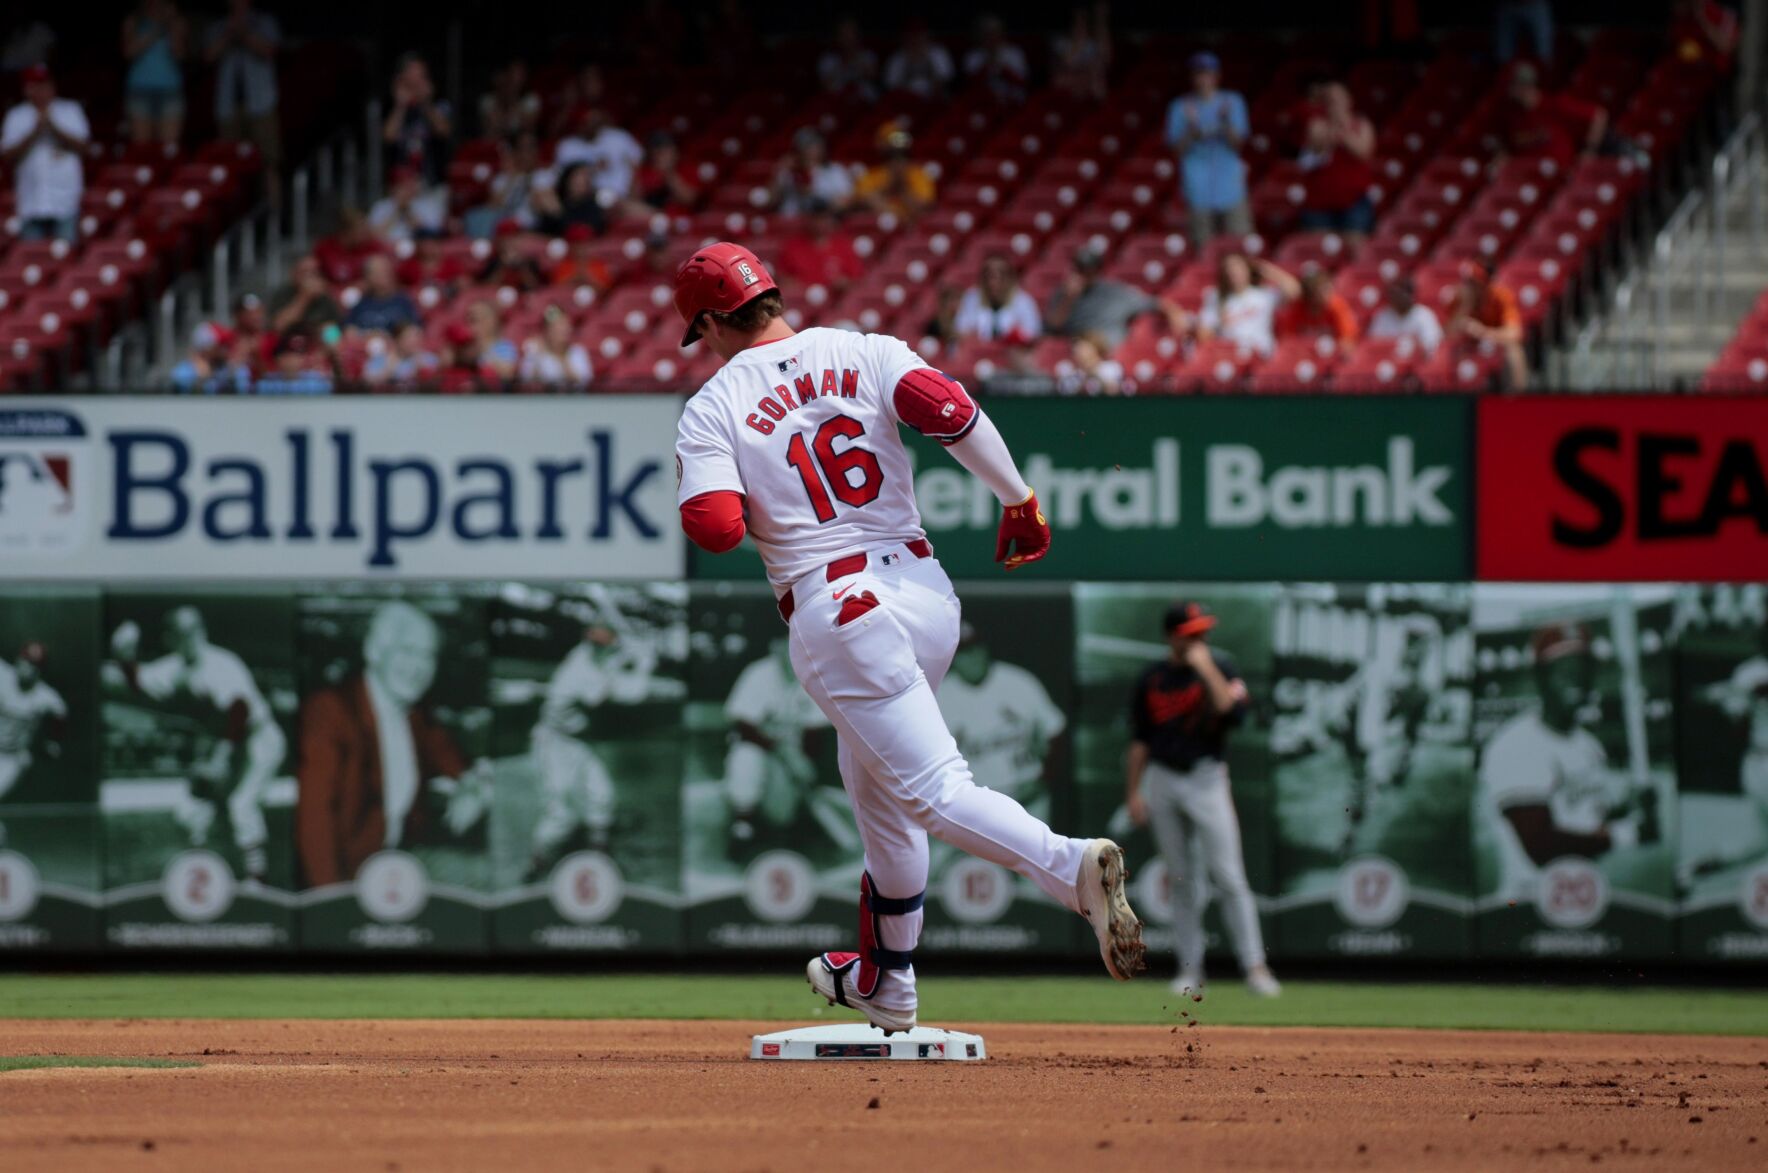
point(1177, 782)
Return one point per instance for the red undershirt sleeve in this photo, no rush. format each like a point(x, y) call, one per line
point(714, 521)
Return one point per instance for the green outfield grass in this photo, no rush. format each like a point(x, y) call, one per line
point(944, 1000)
point(33, 1062)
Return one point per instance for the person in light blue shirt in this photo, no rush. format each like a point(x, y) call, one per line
point(1206, 127)
point(154, 41)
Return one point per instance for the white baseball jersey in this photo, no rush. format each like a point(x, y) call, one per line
point(218, 677)
point(1527, 763)
point(1003, 725)
point(23, 709)
point(806, 429)
point(767, 696)
point(584, 680)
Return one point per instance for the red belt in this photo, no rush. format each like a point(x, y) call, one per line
point(852, 564)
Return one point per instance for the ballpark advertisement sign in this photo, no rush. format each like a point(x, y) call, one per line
point(405, 488)
point(1353, 489)
point(1626, 488)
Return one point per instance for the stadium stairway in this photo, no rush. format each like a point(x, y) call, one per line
point(1690, 315)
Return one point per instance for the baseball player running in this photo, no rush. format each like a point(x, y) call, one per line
point(1176, 780)
point(794, 442)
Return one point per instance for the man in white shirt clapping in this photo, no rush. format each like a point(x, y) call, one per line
point(42, 140)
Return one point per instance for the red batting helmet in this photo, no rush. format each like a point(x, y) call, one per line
point(722, 277)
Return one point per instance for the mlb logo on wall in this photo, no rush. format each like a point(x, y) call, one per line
point(44, 483)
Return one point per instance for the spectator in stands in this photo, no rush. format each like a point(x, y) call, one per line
point(511, 196)
point(511, 107)
point(654, 266)
point(1536, 125)
point(243, 50)
point(610, 153)
point(1088, 303)
point(809, 178)
point(1318, 313)
point(510, 264)
point(409, 207)
point(42, 140)
point(580, 265)
point(996, 309)
point(568, 201)
point(1402, 317)
point(1091, 369)
point(155, 39)
point(1206, 127)
point(299, 366)
point(213, 365)
point(1338, 158)
point(555, 360)
point(342, 253)
point(848, 69)
point(1083, 55)
point(922, 66)
point(1516, 17)
point(1704, 35)
point(419, 129)
point(584, 92)
point(820, 253)
point(898, 185)
point(430, 264)
point(383, 306)
point(1486, 312)
point(497, 355)
point(305, 302)
point(997, 63)
point(404, 362)
point(251, 325)
point(461, 371)
point(662, 182)
point(1241, 307)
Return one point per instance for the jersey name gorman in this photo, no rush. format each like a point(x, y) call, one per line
point(804, 389)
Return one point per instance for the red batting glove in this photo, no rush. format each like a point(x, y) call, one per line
point(1024, 532)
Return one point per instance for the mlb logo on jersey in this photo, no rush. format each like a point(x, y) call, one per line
point(890, 559)
point(788, 366)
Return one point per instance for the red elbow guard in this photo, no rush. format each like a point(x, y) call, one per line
point(714, 521)
point(934, 405)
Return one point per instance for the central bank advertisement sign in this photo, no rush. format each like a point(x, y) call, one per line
point(337, 488)
point(1205, 489)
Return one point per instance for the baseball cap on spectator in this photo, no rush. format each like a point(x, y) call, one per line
point(458, 334)
point(1477, 272)
point(403, 173)
point(1187, 618)
point(578, 233)
point(1205, 62)
point(894, 137)
point(35, 75)
point(294, 342)
point(508, 227)
point(1088, 259)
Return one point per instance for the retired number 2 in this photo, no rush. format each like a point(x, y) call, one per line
point(835, 467)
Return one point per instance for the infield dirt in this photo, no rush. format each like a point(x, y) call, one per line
point(680, 1096)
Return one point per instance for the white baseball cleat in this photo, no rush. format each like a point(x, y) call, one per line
point(835, 981)
point(1189, 981)
point(1107, 909)
point(1262, 983)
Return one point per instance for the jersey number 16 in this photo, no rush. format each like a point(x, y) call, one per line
point(835, 467)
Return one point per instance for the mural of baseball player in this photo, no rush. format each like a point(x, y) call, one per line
point(377, 769)
point(240, 763)
point(1004, 722)
point(1732, 831)
point(577, 792)
point(1546, 788)
point(769, 772)
point(29, 710)
point(1177, 782)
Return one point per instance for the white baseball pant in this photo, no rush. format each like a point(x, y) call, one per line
point(264, 750)
point(874, 678)
point(1186, 809)
point(575, 789)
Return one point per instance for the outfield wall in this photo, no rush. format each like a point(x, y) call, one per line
point(617, 761)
